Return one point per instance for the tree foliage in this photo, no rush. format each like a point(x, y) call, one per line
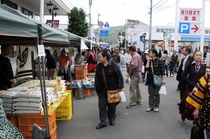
point(77, 22)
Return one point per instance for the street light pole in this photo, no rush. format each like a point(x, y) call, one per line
point(53, 10)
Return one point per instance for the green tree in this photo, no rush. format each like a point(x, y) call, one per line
point(77, 22)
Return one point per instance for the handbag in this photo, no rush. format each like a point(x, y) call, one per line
point(112, 95)
point(196, 132)
point(157, 80)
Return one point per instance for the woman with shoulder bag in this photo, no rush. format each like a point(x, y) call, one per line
point(154, 66)
point(108, 77)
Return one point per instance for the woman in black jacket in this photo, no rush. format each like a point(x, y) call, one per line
point(114, 80)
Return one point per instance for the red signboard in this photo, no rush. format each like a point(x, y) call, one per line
point(55, 24)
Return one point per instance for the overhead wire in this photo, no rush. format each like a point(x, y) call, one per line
point(167, 7)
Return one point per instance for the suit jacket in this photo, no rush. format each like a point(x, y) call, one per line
point(179, 73)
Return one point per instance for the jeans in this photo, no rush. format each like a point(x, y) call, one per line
point(208, 134)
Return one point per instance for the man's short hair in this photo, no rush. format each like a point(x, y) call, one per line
point(3, 46)
point(132, 48)
point(188, 49)
point(117, 47)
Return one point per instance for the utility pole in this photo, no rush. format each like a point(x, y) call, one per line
point(202, 26)
point(176, 27)
point(90, 26)
point(150, 25)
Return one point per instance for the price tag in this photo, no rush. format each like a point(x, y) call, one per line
point(65, 94)
point(55, 105)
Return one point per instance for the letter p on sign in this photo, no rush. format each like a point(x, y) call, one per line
point(184, 28)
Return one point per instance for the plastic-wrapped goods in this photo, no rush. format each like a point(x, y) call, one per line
point(7, 94)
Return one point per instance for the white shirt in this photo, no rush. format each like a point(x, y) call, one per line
point(128, 58)
point(184, 62)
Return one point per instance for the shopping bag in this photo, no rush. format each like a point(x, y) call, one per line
point(162, 90)
point(142, 69)
point(122, 96)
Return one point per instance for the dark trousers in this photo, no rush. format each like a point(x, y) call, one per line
point(5, 86)
point(103, 111)
point(182, 86)
point(154, 96)
point(166, 70)
point(65, 75)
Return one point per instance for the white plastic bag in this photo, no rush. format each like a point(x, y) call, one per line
point(143, 69)
point(162, 90)
point(122, 96)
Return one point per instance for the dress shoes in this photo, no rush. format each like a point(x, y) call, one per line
point(112, 123)
point(100, 126)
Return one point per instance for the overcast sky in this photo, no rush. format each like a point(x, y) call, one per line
point(116, 11)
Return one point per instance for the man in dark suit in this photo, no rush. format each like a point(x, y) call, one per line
point(186, 50)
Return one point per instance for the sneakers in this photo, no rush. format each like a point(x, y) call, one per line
point(139, 103)
point(149, 109)
point(156, 109)
point(131, 106)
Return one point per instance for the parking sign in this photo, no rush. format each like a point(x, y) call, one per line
point(189, 28)
point(184, 28)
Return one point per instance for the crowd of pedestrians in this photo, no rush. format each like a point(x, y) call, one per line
point(142, 66)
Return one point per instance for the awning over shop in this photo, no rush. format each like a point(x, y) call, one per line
point(15, 29)
point(14, 23)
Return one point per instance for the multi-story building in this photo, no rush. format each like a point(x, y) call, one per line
point(163, 36)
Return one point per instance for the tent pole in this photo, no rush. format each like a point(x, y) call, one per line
point(42, 84)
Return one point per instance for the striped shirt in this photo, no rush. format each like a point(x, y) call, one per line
point(196, 99)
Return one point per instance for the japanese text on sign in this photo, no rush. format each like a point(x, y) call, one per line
point(190, 15)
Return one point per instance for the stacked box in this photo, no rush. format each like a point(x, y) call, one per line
point(80, 73)
point(87, 92)
point(64, 110)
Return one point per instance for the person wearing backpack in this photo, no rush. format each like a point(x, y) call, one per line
point(91, 60)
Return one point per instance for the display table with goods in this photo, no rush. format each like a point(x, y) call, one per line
point(26, 107)
point(83, 84)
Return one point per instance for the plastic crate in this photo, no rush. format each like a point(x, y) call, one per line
point(63, 113)
point(68, 101)
point(89, 85)
point(74, 85)
point(87, 92)
point(25, 123)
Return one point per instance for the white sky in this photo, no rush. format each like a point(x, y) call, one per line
point(116, 11)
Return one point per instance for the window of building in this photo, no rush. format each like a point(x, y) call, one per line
point(9, 3)
point(157, 30)
point(27, 12)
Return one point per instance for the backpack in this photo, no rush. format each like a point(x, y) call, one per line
point(95, 58)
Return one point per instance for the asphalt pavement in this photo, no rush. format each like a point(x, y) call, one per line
point(130, 123)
